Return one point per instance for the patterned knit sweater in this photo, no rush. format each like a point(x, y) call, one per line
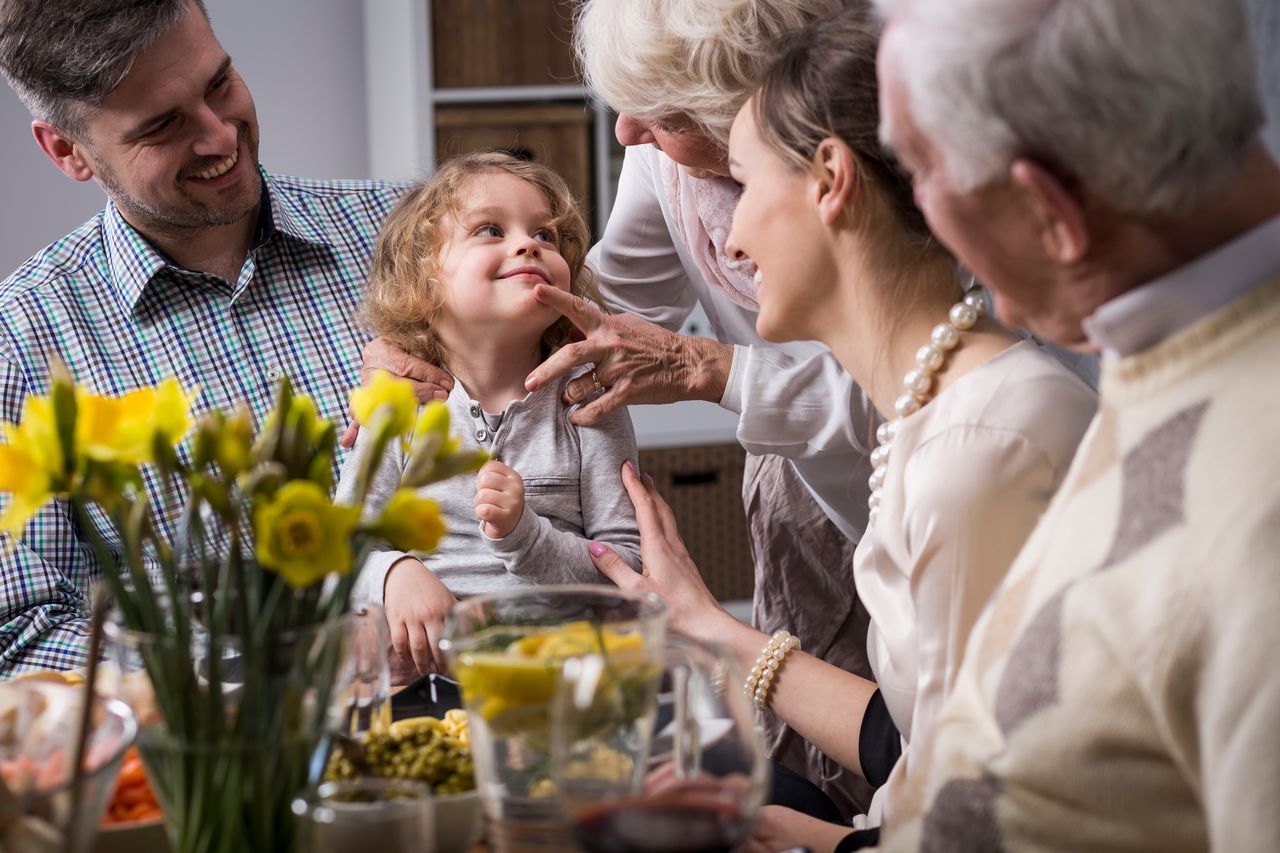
point(1122, 690)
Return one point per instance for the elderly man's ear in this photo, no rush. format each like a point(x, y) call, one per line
point(834, 183)
point(1057, 214)
point(64, 151)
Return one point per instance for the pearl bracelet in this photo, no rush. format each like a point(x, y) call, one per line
point(766, 668)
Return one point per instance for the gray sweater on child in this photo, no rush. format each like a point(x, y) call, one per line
point(573, 493)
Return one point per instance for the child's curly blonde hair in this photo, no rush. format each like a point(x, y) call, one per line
point(403, 295)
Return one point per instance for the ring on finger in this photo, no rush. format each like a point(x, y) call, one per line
point(596, 379)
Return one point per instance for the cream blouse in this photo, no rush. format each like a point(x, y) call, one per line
point(968, 478)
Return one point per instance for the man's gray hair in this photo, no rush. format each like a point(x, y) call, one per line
point(61, 55)
point(1150, 103)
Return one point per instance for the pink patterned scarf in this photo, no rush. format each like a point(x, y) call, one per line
point(702, 212)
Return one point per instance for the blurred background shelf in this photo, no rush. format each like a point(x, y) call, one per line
point(450, 76)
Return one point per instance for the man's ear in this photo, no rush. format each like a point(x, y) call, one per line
point(1057, 214)
point(65, 152)
point(835, 184)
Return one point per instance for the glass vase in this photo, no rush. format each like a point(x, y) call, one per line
point(230, 728)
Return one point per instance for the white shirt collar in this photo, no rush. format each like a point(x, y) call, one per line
point(1150, 313)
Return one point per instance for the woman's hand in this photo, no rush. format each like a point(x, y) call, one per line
point(668, 570)
point(429, 381)
point(635, 361)
point(499, 498)
point(779, 828)
point(416, 602)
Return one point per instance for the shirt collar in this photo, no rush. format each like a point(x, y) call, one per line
point(134, 262)
point(1147, 315)
point(288, 216)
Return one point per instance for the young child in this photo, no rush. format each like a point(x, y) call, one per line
point(452, 282)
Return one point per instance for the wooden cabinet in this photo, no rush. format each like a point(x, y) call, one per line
point(703, 485)
point(451, 76)
point(558, 135)
point(502, 42)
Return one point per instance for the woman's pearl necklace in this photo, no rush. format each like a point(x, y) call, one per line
point(918, 383)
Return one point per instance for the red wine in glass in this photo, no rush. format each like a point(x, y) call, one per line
point(671, 824)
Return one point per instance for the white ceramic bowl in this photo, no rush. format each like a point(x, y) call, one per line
point(459, 821)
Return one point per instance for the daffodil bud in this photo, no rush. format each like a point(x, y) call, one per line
point(267, 446)
point(214, 494)
point(433, 420)
point(392, 397)
point(235, 443)
point(410, 522)
point(208, 437)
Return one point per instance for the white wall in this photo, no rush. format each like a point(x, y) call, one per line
point(304, 62)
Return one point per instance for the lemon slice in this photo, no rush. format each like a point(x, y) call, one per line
point(521, 679)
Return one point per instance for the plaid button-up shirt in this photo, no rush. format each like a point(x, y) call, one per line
point(122, 315)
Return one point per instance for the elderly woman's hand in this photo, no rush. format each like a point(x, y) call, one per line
point(635, 361)
point(668, 570)
point(429, 381)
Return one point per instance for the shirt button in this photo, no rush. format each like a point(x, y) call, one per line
point(275, 373)
point(475, 410)
point(481, 434)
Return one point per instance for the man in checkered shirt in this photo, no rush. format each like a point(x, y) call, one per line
point(202, 265)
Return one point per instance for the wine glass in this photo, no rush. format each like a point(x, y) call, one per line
point(689, 783)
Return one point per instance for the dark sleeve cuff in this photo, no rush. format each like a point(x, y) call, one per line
point(859, 840)
point(879, 744)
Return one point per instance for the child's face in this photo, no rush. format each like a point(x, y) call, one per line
point(500, 246)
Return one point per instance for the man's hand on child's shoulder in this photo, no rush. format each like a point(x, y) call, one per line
point(499, 499)
point(429, 381)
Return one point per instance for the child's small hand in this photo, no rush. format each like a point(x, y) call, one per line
point(416, 602)
point(499, 499)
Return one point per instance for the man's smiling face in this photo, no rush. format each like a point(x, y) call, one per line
point(175, 145)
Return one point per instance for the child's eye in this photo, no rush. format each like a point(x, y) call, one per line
point(546, 235)
point(488, 230)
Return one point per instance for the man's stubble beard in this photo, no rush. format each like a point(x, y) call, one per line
point(194, 214)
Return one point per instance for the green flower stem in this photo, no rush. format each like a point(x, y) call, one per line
point(104, 558)
point(217, 608)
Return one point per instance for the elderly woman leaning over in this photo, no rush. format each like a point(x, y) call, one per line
point(982, 425)
point(677, 71)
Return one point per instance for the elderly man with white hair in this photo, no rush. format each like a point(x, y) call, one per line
point(1098, 163)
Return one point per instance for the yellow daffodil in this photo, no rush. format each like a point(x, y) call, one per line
point(303, 536)
point(29, 488)
point(410, 522)
point(386, 394)
point(114, 429)
point(37, 436)
point(172, 411)
point(32, 465)
point(433, 420)
point(123, 429)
